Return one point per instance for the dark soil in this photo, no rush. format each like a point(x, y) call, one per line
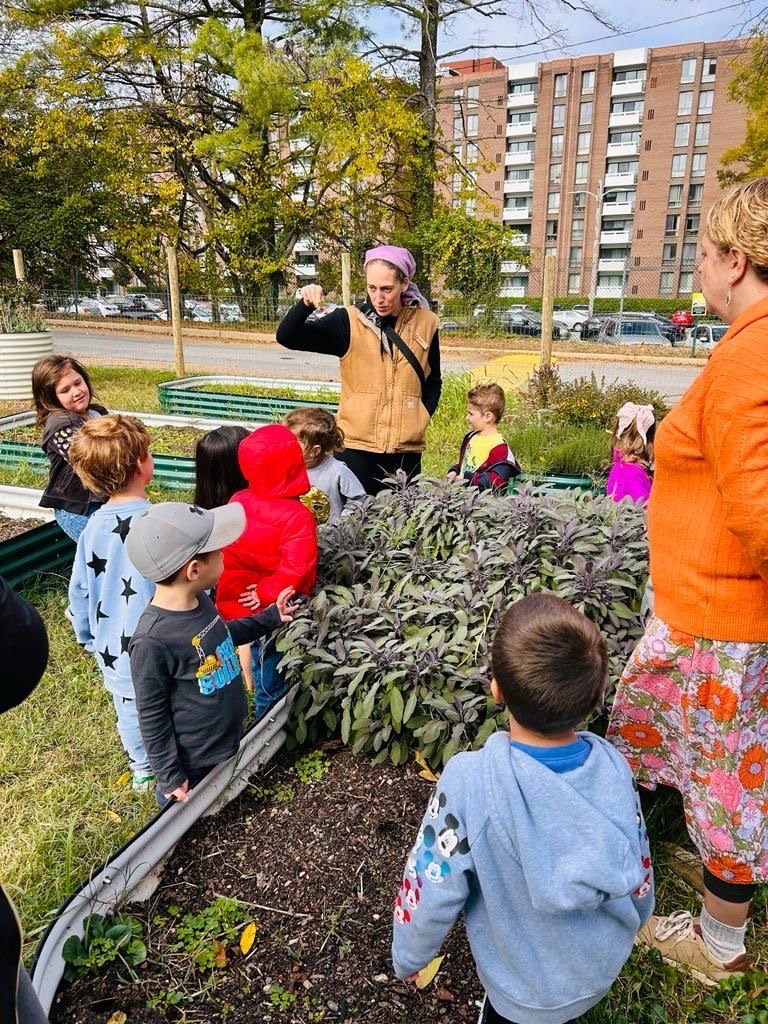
point(14, 527)
point(318, 865)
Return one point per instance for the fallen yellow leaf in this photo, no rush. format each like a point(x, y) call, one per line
point(427, 974)
point(118, 1017)
point(428, 775)
point(220, 959)
point(247, 937)
point(124, 779)
point(113, 816)
point(427, 772)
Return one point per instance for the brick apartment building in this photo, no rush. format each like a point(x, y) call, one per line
point(646, 126)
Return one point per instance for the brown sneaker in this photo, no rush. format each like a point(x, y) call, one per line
point(679, 941)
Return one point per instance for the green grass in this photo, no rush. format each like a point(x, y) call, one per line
point(260, 391)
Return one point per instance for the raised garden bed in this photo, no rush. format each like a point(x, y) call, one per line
point(244, 397)
point(314, 851)
point(11, 527)
point(40, 549)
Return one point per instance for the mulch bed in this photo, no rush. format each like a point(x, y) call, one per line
point(14, 527)
point(319, 864)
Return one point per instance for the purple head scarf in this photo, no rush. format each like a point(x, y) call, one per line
point(406, 264)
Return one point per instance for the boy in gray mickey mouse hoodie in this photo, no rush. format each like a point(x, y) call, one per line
point(538, 838)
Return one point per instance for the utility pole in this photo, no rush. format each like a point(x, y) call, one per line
point(598, 196)
point(346, 278)
point(175, 311)
point(18, 265)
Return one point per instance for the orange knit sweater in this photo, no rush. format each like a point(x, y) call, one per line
point(708, 511)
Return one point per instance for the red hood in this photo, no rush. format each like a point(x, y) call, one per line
point(273, 464)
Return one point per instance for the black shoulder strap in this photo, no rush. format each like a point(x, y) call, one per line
point(395, 338)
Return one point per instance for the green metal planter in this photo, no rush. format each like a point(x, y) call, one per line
point(561, 483)
point(172, 470)
point(188, 396)
point(44, 549)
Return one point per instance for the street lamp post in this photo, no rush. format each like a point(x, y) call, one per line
point(598, 197)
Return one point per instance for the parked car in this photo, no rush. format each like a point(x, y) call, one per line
point(708, 335)
point(682, 318)
point(626, 330)
point(672, 331)
point(91, 307)
point(529, 324)
point(452, 327)
point(572, 318)
point(591, 327)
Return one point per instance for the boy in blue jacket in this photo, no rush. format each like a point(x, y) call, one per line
point(106, 594)
point(538, 838)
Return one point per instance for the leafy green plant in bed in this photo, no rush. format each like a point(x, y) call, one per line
point(261, 391)
point(392, 649)
point(106, 940)
point(586, 401)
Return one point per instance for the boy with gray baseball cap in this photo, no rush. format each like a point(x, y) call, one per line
point(184, 661)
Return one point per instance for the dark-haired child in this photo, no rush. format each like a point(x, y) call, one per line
point(537, 838)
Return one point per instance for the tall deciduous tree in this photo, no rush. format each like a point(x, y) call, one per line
point(750, 87)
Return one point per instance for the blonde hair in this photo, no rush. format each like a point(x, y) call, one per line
point(632, 446)
point(315, 426)
point(105, 452)
point(739, 220)
point(488, 398)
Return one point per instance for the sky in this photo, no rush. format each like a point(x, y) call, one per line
point(640, 25)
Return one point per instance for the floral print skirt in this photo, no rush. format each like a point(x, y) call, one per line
point(693, 714)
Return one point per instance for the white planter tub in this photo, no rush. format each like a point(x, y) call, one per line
point(18, 354)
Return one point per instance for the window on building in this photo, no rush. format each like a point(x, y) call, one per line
point(556, 146)
point(583, 142)
point(558, 115)
point(561, 84)
point(685, 287)
point(692, 223)
point(523, 89)
point(520, 147)
point(695, 195)
point(553, 202)
point(689, 253)
point(706, 99)
point(628, 136)
point(458, 95)
point(473, 95)
point(579, 200)
point(550, 250)
point(621, 197)
point(473, 124)
point(621, 167)
point(585, 112)
point(577, 229)
point(636, 75)
point(708, 69)
point(574, 256)
point(702, 134)
point(587, 85)
point(682, 132)
point(688, 70)
point(669, 252)
point(519, 174)
point(520, 117)
point(574, 284)
point(672, 224)
point(679, 161)
point(685, 103)
point(581, 173)
point(666, 282)
point(626, 106)
point(458, 127)
point(555, 172)
point(551, 230)
point(675, 196)
point(699, 165)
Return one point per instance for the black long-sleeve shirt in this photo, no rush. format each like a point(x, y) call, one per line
point(330, 336)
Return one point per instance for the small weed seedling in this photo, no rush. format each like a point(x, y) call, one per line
point(280, 997)
point(106, 940)
point(203, 937)
point(312, 767)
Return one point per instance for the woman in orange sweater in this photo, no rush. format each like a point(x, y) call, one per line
point(690, 710)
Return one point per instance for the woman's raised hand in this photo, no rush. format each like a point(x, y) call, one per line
point(313, 295)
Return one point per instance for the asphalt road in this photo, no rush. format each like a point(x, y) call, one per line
point(272, 361)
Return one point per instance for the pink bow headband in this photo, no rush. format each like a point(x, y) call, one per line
point(641, 415)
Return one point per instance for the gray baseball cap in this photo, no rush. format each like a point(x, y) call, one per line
point(166, 536)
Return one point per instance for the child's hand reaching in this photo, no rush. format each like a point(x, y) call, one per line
point(452, 476)
point(180, 793)
point(284, 607)
point(249, 598)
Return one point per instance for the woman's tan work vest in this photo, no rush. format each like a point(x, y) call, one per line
point(380, 409)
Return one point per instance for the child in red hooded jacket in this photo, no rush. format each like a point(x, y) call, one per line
point(278, 547)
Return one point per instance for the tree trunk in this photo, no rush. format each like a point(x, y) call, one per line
point(424, 191)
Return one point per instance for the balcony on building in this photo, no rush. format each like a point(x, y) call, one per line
point(632, 88)
point(625, 118)
point(513, 267)
point(517, 214)
point(305, 271)
point(518, 159)
point(625, 179)
point(615, 149)
point(618, 209)
point(519, 239)
point(304, 245)
point(523, 128)
point(623, 237)
point(520, 187)
point(611, 266)
point(521, 100)
point(513, 291)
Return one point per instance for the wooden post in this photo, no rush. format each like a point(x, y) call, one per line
point(346, 278)
point(547, 302)
point(173, 288)
point(18, 265)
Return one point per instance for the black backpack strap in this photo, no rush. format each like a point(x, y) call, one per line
point(396, 340)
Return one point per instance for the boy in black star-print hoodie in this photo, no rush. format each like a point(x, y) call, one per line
point(106, 594)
